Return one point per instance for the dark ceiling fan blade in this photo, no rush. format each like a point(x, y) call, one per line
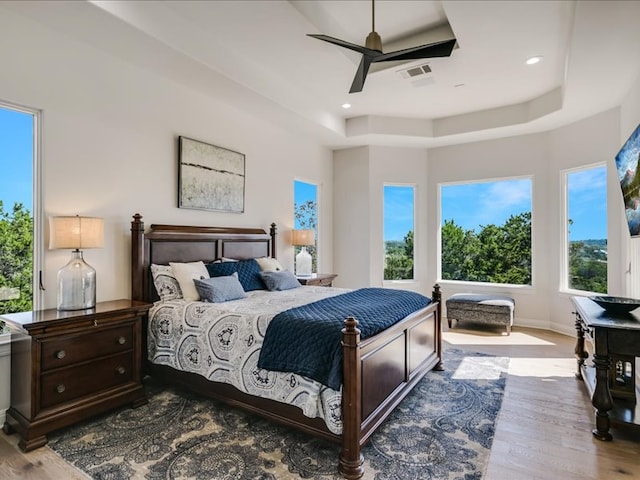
point(342, 43)
point(361, 74)
point(431, 50)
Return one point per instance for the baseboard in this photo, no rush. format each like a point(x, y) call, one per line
point(531, 323)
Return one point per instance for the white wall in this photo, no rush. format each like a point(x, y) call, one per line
point(359, 176)
point(524, 156)
point(629, 120)
point(589, 141)
point(110, 149)
point(351, 218)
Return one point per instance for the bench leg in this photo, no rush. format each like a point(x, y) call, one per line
point(509, 328)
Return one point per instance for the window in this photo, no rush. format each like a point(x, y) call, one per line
point(17, 160)
point(486, 232)
point(398, 218)
point(305, 212)
point(585, 264)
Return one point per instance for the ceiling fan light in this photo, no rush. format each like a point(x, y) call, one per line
point(374, 42)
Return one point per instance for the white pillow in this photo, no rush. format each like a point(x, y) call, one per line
point(269, 264)
point(165, 282)
point(186, 273)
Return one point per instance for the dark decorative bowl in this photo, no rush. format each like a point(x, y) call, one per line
point(616, 304)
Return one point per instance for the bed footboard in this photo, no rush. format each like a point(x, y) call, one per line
point(380, 371)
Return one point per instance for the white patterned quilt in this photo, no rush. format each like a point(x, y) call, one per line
point(221, 342)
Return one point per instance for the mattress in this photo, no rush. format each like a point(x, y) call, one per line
point(221, 342)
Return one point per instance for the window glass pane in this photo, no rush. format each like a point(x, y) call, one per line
point(16, 210)
point(587, 229)
point(305, 212)
point(486, 232)
point(398, 232)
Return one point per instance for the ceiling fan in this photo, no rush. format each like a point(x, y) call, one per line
point(372, 51)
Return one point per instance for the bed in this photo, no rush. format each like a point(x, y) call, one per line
point(377, 372)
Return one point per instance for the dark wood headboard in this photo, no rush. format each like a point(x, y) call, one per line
point(182, 243)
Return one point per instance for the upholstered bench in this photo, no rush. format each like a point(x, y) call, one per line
point(481, 308)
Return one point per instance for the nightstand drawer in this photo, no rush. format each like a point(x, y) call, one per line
point(73, 349)
point(75, 382)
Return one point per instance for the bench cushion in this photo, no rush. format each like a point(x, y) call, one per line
point(481, 308)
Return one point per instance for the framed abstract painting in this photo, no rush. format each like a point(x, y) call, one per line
point(210, 177)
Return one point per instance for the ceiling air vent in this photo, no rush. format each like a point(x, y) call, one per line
point(416, 71)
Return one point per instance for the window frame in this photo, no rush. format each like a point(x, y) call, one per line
point(564, 231)
point(511, 286)
point(414, 187)
point(318, 222)
point(37, 211)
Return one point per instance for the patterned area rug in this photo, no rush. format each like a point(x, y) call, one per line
point(442, 430)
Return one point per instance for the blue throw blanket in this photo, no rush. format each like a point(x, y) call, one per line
point(307, 340)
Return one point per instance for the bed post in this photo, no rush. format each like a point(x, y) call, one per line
point(351, 460)
point(436, 296)
point(272, 232)
point(137, 258)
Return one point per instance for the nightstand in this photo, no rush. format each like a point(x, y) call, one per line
point(318, 279)
point(67, 366)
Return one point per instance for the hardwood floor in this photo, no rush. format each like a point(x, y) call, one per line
point(543, 430)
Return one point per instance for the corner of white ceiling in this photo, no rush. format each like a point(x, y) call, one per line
point(379, 125)
point(505, 116)
point(545, 104)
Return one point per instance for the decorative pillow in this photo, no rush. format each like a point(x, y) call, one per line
point(165, 282)
point(282, 280)
point(269, 264)
point(248, 273)
point(219, 289)
point(186, 273)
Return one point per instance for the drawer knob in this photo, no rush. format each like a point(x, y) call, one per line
point(61, 388)
point(122, 340)
point(60, 354)
point(120, 370)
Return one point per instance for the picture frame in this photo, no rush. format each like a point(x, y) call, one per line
point(210, 177)
point(628, 169)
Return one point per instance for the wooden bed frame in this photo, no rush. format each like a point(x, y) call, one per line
point(378, 371)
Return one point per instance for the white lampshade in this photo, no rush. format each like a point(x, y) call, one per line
point(77, 279)
point(303, 237)
point(76, 232)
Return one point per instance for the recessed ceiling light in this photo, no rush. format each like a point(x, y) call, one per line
point(346, 105)
point(533, 60)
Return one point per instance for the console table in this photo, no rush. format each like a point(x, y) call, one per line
point(613, 342)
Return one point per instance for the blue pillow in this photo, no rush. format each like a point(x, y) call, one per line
point(248, 273)
point(281, 280)
point(219, 289)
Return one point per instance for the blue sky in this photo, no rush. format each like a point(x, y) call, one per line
point(473, 205)
point(398, 211)
point(16, 158)
point(588, 204)
point(302, 192)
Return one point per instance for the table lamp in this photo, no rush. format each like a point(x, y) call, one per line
point(77, 279)
point(303, 238)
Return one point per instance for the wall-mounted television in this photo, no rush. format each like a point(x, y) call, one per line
point(628, 166)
